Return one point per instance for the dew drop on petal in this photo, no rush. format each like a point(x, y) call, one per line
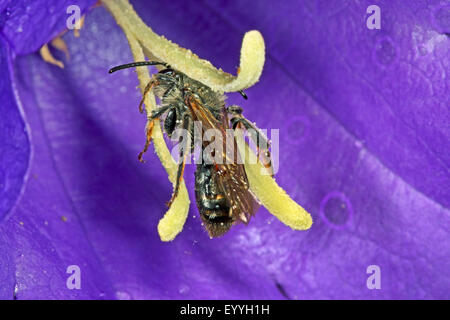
point(123, 295)
point(184, 289)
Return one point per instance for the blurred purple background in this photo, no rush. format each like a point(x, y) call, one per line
point(364, 147)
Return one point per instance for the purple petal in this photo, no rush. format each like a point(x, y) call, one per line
point(357, 139)
point(14, 144)
point(29, 24)
point(44, 235)
point(360, 148)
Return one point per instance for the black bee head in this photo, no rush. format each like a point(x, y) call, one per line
point(216, 222)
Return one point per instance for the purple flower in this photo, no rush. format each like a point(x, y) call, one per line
point(364, 147)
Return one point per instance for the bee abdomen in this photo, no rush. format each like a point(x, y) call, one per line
point(216, 203)
point(206, 191)
point(212, 204)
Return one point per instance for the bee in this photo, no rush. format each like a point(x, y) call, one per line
point(223, 196)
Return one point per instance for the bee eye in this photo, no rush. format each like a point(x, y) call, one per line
point(169, 72)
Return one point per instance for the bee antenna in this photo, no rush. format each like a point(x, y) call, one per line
point(138, 64)
point(243, 94)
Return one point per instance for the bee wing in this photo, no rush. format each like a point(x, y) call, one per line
point(231, 175)
point(234, 184)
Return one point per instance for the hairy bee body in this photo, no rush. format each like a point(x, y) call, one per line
point(222, 190)
point(173, 88)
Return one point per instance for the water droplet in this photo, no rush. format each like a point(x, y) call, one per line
point(123, 295)
point(441, 18)
point(297, 129)
point(184, 289)
point(385, 51)
point(336, 210)
point(423, 50)
point(16, 290)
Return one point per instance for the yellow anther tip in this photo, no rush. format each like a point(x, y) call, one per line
point(184, 60)
point(270, 194)
point(251, 63)
point(173, 221)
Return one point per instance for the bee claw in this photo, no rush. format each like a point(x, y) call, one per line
point(141, 160)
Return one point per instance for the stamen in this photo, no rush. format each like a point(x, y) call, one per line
point(173, 221)
point(78, 26)
point(181, 59)
point(269, 193)
point(47, 56)
point(142, 39)
point(60, 44)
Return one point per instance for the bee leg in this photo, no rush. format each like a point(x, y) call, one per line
point(149, 129)
point(169, 90)
point(153, 82)
point(193, 140)
point(183, 156)
point(158, 112)
point(238, 121)
point(234, 110)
